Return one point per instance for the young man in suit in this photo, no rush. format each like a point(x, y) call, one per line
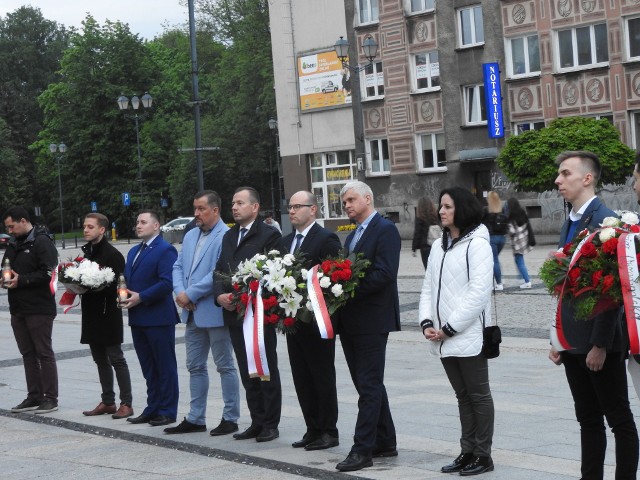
point(311, 357)
point(595, 359)
point(248, 237)
point(152, 318)
point(364, 324)
point(193, 287)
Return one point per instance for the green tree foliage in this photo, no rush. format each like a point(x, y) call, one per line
point(15, 188)
point(528, 159)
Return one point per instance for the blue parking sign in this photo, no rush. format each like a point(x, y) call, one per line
point(126, 199)
point(94, 206)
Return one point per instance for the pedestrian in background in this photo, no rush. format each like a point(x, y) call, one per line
point(426, 215)
point(520, 242)
point(454, 303)
point(496, 221)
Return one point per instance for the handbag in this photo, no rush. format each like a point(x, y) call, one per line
point(491, 340)
point(530, 235)
point(434, 233)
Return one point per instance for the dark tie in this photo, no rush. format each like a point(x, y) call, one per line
point(142, 247)
point(356, 238)
point(243, 232)
point(299, 238)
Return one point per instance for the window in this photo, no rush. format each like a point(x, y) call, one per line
point(523, 56)
point(633, 38)
point(525, 127)
point(373, 81)
point(378, 155)
point(582, 46)
point(421, 5)
point(471, 31)
point(368, 11)
point(474, 106)
point(431, 151)
point(635, 127)
point(329, 173)
point(426, 71)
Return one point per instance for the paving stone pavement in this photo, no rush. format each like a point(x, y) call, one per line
point(536, 435)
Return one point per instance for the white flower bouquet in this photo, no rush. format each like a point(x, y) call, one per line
point(80, 275)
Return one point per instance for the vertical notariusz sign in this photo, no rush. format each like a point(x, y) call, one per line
point(493, 98)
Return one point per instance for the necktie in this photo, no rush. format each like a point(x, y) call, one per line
point(243, 232)
point(299, 238)
point(356, 238)
point(142, 247)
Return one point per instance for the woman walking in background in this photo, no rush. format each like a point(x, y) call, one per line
point(496, 222)
point(426, 215)
point(519, 233)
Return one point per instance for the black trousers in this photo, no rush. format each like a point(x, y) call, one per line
point(264, 399)
point(314, 377)
point(365, 355)
point(599, 395)
point(109, 358)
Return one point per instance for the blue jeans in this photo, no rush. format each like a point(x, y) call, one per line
point(198, 341)
point(497, 242)
point(522, 268)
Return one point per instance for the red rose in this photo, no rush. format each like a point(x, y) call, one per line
point(236, 287)
point(596, 277)
point(335, 276)
point(288, 322)
point(635, 228)
point(347, 263)
point(326, 266)
point(244, 298)
point(607, 283)
point(269, 302)
point(589, 250)
point(610, 247)
point(271, 318)
point(253, 285)
point(346, 274)
point(573, 276)
point(567, 249)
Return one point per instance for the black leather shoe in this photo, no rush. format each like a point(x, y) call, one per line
point(162, 420)
point(140, 419)
point(268, 434)
point(459, 463)
point(325, 441)
point(252, 432)
point(384, 452)
point(186, 427)
point(304, 441)
point(225, 428)
point(478, 466)
point(353, 462)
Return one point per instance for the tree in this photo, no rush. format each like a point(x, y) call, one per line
point(528, 159)
point(15, 188)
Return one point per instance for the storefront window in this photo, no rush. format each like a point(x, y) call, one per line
point(329, 173)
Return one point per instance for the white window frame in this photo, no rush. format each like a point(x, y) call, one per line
point(478, 103)
point(627, 37)
point(516, 130)
point(373, 80)
point(635, 128)
point(574, 44)
point(473, 10)
point(425, 6)
point(434, 148)
point(527, 60)
point(430, 77)
point(379, 145)
point(365, 16)
point(325, 203)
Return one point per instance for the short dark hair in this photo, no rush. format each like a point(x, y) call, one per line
point(254, 196)
point(589, 160)
point(213, 199)
point(468, 210)
point(153, 214)
point(103, 221)
point(16, 213)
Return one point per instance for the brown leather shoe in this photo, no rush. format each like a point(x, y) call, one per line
point(101, 409)
point(123, 412)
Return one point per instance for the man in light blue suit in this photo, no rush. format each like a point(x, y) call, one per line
point(193, 287)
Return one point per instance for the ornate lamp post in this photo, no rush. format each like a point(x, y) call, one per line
point(369, 47)
point(123, 104)
point(53, 148)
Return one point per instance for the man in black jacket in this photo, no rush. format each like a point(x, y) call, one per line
point(312, 358)
point(247, 238)
point(32, 305)
point(102, 322)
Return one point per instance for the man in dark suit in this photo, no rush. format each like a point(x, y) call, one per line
point(245, 239)
point(312, 358)
point(364, 324)
point(594, 350)
point(153, 317)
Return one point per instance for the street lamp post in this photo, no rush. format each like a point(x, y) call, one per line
point(53, 148)
point(123, 104)
point(273, 126)
point(369, 48)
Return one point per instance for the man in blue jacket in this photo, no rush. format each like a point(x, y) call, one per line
point(153, 317)
point(206, 331)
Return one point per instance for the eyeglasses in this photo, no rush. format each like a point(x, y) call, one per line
point(296, 207)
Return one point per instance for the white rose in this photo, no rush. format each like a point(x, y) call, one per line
point(288, 259)
point(630, 218)
point(606, 234)
point(304, 272)
point(610, 222)
point(337, 290)
point(325, 282)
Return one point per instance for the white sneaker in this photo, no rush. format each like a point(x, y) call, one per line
point(526, 285)
point(498, 287)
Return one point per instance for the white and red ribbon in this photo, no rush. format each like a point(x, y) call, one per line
point(70, 299)
point(53, 283)
point(628, 270)
point(253, 329)
point(318, 304)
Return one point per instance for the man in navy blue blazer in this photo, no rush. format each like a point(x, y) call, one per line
point(152, 318)
point(364, 324)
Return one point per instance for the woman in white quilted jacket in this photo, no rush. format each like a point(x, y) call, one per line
point(456, 295)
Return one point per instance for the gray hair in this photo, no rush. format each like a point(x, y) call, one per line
point(359, 187)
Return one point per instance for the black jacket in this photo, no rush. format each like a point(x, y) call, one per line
point(33, 257)
point(101, 317)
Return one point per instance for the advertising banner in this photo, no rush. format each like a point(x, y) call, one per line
point(323, 82)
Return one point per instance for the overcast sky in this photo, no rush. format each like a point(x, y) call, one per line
point(145, 17)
